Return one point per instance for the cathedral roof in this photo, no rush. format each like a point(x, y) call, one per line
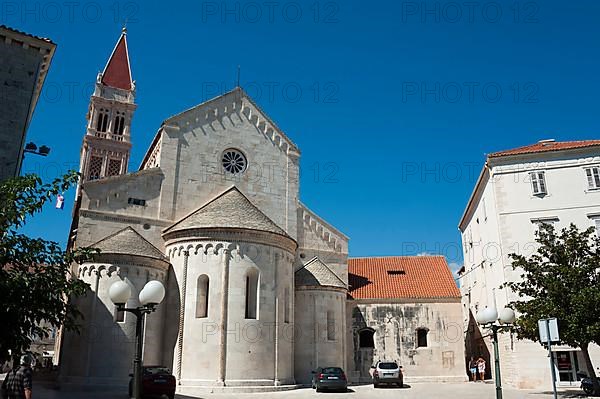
point(128, 242)
point(317, 273)
point(117, 72)
point(397, 277)
point(230, 209)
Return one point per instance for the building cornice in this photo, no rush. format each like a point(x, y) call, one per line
point(127, 219)
point(231, 235)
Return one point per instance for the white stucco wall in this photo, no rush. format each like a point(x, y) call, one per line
point(511, 211)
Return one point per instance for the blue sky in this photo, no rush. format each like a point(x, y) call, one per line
point(395, 104)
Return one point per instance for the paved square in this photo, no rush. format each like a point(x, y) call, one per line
point(416, 390)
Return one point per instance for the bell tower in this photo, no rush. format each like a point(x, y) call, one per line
point(107, 142)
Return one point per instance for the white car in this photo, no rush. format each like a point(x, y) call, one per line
point(387, 373)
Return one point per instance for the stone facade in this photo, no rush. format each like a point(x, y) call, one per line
point(256, 282)
point(407, 310)
point(395, 328)
point(25, 62)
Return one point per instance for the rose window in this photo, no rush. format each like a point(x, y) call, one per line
point(234, 161)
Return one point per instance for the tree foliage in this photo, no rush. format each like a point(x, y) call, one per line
point(562, 280)
point(35, 274)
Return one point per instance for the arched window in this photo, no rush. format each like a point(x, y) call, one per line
point(102, 123)
point(119, 123)
point(330, 326)
point(202, 297)
point(422, 337)
point(365, 338)
point(252, 294)
point(286, 306)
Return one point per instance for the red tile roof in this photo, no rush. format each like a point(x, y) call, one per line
point(424, 277)
point(117, 72)
point(545, 146)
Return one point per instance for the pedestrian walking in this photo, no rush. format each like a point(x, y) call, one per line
point(473, 369)
point(17, 384)
point(481, 368)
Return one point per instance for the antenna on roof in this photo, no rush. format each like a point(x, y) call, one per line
point(124, 28)
point(238, 77)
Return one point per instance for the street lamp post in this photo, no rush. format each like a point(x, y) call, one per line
point(487, 318)
point(150, 296)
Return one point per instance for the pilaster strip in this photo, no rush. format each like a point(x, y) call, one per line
point(186, 255)
point(224, 312)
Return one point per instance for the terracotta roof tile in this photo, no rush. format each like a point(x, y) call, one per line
point(411, 277)
point(546, 146)
point(117, 72)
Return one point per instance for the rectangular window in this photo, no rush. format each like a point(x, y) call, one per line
point(593, 177)
point(136, 201)
point(597, 222)
point(286, 304)
point(421, 338)
point(538, 183)
point(549, 221)
point(483, 208)
point(330, 326)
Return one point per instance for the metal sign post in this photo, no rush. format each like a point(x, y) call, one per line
point(548, 329)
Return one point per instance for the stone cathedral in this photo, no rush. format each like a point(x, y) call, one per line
point(256, 283)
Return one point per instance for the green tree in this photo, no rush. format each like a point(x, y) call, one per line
point(562, 280)
point(35, 274)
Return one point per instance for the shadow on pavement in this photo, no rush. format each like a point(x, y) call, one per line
point(565, 394)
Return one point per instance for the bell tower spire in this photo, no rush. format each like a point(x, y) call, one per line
point(107, 142)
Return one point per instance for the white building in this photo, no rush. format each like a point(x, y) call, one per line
point(551, 182)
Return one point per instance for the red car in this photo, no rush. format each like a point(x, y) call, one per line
point(156, 382)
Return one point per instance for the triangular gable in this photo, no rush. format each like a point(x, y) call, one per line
point(117, 72)
point(248, 107)
point(127, 241)
point(231, 209)
point(317, 273)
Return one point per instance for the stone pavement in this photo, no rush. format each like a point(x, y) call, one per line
point(414, 391)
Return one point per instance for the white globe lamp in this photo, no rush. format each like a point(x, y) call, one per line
point(507, 316)
point(152, 294)
point(119, 292)
point(488, 315)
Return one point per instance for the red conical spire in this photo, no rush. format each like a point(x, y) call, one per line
point(117, 72)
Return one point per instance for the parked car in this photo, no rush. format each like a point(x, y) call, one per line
point(156, 382)
point(387, 373)
point(329, 378)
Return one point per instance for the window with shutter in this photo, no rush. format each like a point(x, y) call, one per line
point(538, 183)
point(593, 177)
